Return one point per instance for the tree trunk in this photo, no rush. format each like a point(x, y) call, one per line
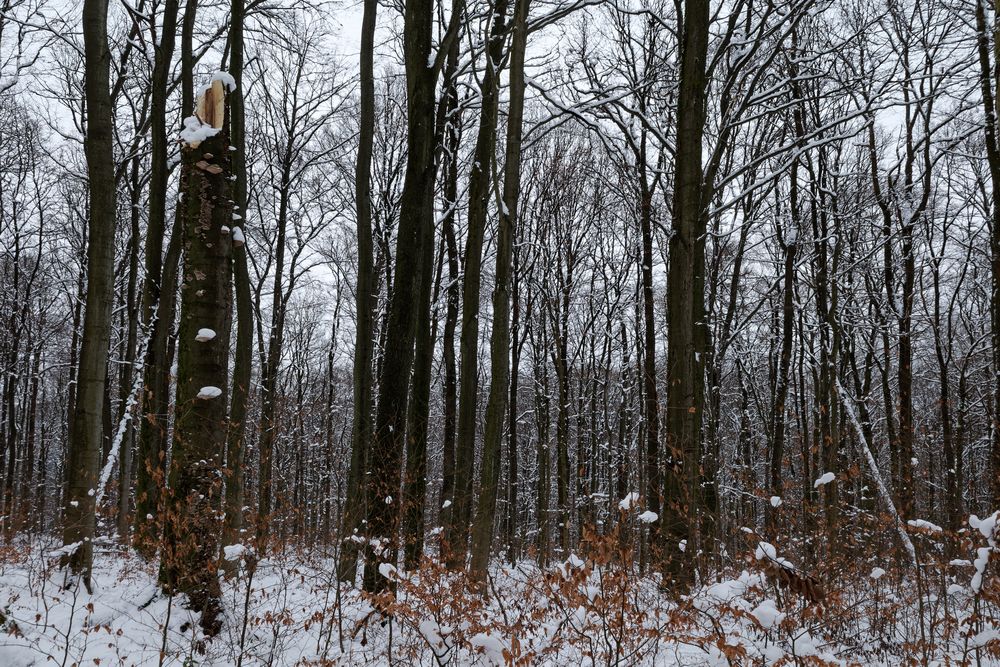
point(364, 306)
point(500, 341)
point(86, 433)
point(191, 548)
point(271, 365)
point(232, 531)
point(990, 84)
point(479, 195)
point(651, 403)
point(778, 410)
point(125, 381)
point(158, 301)
point(418, 410)
point(687, 335)
point(388, 438)
point(453, 292)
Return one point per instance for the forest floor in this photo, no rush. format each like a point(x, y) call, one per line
point(576, 613)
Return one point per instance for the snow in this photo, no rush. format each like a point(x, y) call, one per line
point(766, 551)
point(985, 526)
point(877, 573)
point(767, 614)
point(235, 551)
point(209, 392)
point(776, 501)
point(730, 589)
point(980, 563)
point(204, 335)
point(291, 619)
point(446, 504)
point(984, 637)
point(227, 80)
point(492, 647)
point(65, 550)
point(648, 517)
point(629, 500)
point(988, 528)
point(195, 131)
point(432, 634)
point(920, 524)
point(238, 237)
point(824, 480)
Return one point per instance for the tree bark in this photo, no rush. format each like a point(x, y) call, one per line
point(364, 305)
point(85, 437)
point(232, 531)
point(480, 182)
point(388, 437)
point(453, 291)
point(158, 301)
point(990, 84)
point(500, 340)
point(687, 335)
point(789, 246)
point(191, 548)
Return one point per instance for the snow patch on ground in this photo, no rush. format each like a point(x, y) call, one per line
point(294, 614)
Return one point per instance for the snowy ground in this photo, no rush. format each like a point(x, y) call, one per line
point(576, 614)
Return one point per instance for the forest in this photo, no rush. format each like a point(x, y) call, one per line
point(500, 332)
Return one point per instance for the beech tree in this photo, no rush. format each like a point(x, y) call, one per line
point(86, 432)
point(190, 556)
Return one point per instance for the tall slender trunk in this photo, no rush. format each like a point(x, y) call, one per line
point(687, 336)
point(905, 373)
point(993, 155)
point(512, 523)
point(272, 362)
point(158, 301)
point(990, 85)
point(651, 404)
point(778, 409)
point(418, 410)
point(453, 292)
point(126, 445)
point(27, 490)
point(232, 531)
point(79, 519)
point(543, 402)
point(388, 437)
point(500, 340)
point(480, 191)
point(364, 305)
